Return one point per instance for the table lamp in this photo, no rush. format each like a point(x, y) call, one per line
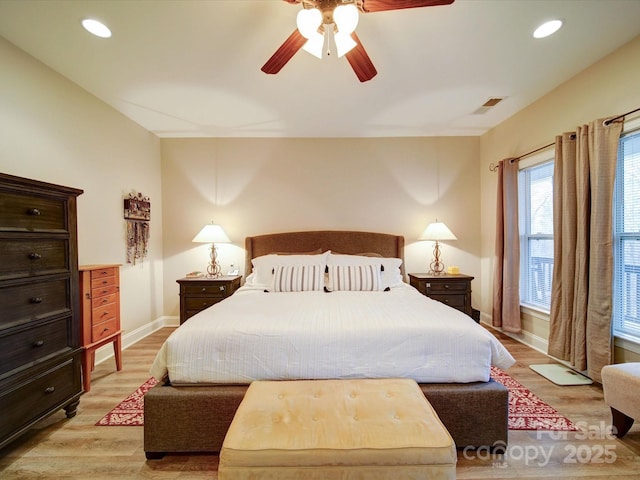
point(212, 234)
point(437, 231)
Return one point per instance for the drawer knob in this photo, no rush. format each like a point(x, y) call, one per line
point(446, 287)
point(38, 343)
point(35, 256)
point(204, 289)
point(446, 300)
point(222, 288)
point(34, 211)
point(49, 390)
point(106, 329)
point(35, 299)
point(104, 314)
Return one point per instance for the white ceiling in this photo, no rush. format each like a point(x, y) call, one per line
point(191, 68)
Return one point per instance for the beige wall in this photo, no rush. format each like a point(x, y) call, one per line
point(51, 130)
point(607, 88)
point(257, 186)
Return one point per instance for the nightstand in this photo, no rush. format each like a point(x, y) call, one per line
point(452, 290)
point(198, 293)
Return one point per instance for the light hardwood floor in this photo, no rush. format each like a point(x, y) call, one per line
point(76, 449)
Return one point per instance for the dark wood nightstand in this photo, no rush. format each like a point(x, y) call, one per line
point(198, 293)
point(452, 290)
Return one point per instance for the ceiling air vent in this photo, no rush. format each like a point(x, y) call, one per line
point(486, 106)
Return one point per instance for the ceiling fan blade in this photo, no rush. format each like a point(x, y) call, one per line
point(287, 50)
point(369, 6)
point(360, 61)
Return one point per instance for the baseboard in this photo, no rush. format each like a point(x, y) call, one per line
point(526, 338)
point(106, 351)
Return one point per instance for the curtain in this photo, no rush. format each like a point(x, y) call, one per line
point(581, 292)
point(506, 278)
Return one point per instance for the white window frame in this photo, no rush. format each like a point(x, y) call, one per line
point(545, 156)
point(626, 338)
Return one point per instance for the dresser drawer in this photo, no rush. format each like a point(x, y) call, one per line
point(38, 394)
point(101, 282)
point(219, 291)
point(445, 287)
point(27, 256)
point(31, 213)
point(103, 272)
point(455, 301)
point(32, 344)
point(103, 313)
point(200, 303)
point(26, 302)
point(102, 300)
point(104, 329)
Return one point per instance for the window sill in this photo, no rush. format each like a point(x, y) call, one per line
point(536, 312)
point(627, 342)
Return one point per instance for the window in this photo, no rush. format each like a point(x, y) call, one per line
point(626, 284)
point(535, 187)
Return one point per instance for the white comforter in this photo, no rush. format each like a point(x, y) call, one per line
point(313, 335)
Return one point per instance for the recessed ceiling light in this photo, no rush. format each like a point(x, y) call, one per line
point(547, 28)
point(97, 28)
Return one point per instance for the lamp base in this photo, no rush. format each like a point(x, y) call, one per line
point(436, 267)
point(213, 269)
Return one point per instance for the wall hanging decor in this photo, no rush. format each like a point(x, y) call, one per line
point(137, 213)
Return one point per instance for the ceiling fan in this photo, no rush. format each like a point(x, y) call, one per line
point(319, 17)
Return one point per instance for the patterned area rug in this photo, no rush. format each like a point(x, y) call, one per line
point(130, 411)
point(526, 410)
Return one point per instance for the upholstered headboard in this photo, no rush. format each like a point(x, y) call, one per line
point(337, 241)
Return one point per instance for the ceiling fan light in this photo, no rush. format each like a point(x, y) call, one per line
point(346, 18)
point(344, 43)
point(314, 45)
point(308, 21)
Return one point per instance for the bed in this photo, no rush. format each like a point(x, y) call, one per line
point(207, 364)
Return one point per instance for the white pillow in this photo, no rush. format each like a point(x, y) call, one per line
point(298, 278)
point(362, 278)
point(264, 266)
point(390, 276)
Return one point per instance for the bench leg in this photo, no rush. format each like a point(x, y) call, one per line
point(621, 423)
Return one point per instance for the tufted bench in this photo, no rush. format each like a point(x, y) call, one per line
point(621, 385)
point(362, 428)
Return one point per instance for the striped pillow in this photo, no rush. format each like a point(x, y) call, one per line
point(298, 278)
point(364, 278)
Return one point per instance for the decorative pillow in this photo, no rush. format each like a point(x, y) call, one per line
point(390, 275)
point(264, 266)
point(298, 278)
point(364, 278)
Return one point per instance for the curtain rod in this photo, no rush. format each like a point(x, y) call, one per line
point(609, 121)
point(494, 167)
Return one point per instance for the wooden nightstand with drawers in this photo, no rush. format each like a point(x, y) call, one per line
point(198, 293)
point(100, 312)
point(452, 290)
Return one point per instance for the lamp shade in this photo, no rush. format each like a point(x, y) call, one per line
point(211, 234)
point(437, 231)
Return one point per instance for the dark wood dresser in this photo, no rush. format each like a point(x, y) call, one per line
point(40, 354)
point(100, 315)
point(198, 293)
point(452, 290)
